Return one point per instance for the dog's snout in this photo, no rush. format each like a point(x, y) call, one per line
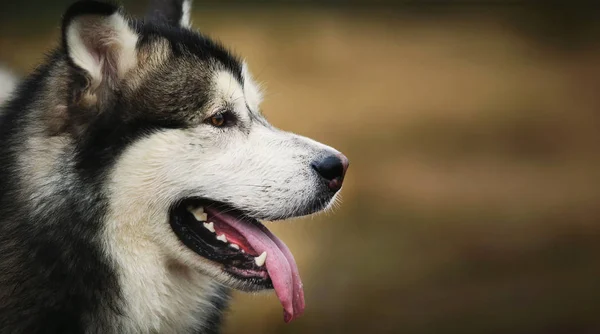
point(332, 168)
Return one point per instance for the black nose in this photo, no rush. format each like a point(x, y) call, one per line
point(332, 168)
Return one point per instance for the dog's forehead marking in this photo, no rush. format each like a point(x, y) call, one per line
point(234, 93)
point(229, 88)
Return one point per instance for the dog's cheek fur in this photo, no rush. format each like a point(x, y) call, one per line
point(265, 172)
point(162, 290)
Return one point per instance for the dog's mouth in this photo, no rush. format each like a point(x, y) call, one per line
point(243, 247)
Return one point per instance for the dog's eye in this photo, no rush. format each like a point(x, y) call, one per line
point(217, 120)
point(222, 119)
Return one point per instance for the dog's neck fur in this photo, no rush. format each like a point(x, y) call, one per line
point(161, 294)
point(164, 296)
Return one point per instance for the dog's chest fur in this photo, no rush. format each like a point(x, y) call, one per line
point(162, 295)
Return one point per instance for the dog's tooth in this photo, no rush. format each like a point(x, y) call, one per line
point(234, 246)
point(243, 251)
point(260, 260)
point(222, 237)
point(209, 226)
point(199, 214)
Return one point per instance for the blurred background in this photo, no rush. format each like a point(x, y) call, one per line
point(472, 200)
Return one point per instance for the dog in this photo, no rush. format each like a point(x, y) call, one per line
point(135, 167)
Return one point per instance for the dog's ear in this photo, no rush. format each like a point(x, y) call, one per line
point(171, 12)
point(99, 44)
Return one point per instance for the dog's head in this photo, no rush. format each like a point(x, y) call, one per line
point(193, 163)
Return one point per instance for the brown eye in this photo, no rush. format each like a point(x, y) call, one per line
point(217, 120)
point(222, 119)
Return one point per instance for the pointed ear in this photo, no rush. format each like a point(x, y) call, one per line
point(171, 12)
point(98, 40)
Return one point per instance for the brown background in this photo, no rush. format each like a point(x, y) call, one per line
point(471, 203)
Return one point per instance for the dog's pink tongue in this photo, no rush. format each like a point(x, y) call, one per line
point(280, 265)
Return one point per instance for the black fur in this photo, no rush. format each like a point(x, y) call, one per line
point(213, 324)
point(185, 41)
point(54, 277)
point(166, 11)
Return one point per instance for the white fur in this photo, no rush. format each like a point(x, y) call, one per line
point(126, 40)
point(186, 14)
point(115, 35)
point(156, 299)
point(228, 90)
point(8, 82)
point(252, 90)
point(263, 171)
point(81, 55)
